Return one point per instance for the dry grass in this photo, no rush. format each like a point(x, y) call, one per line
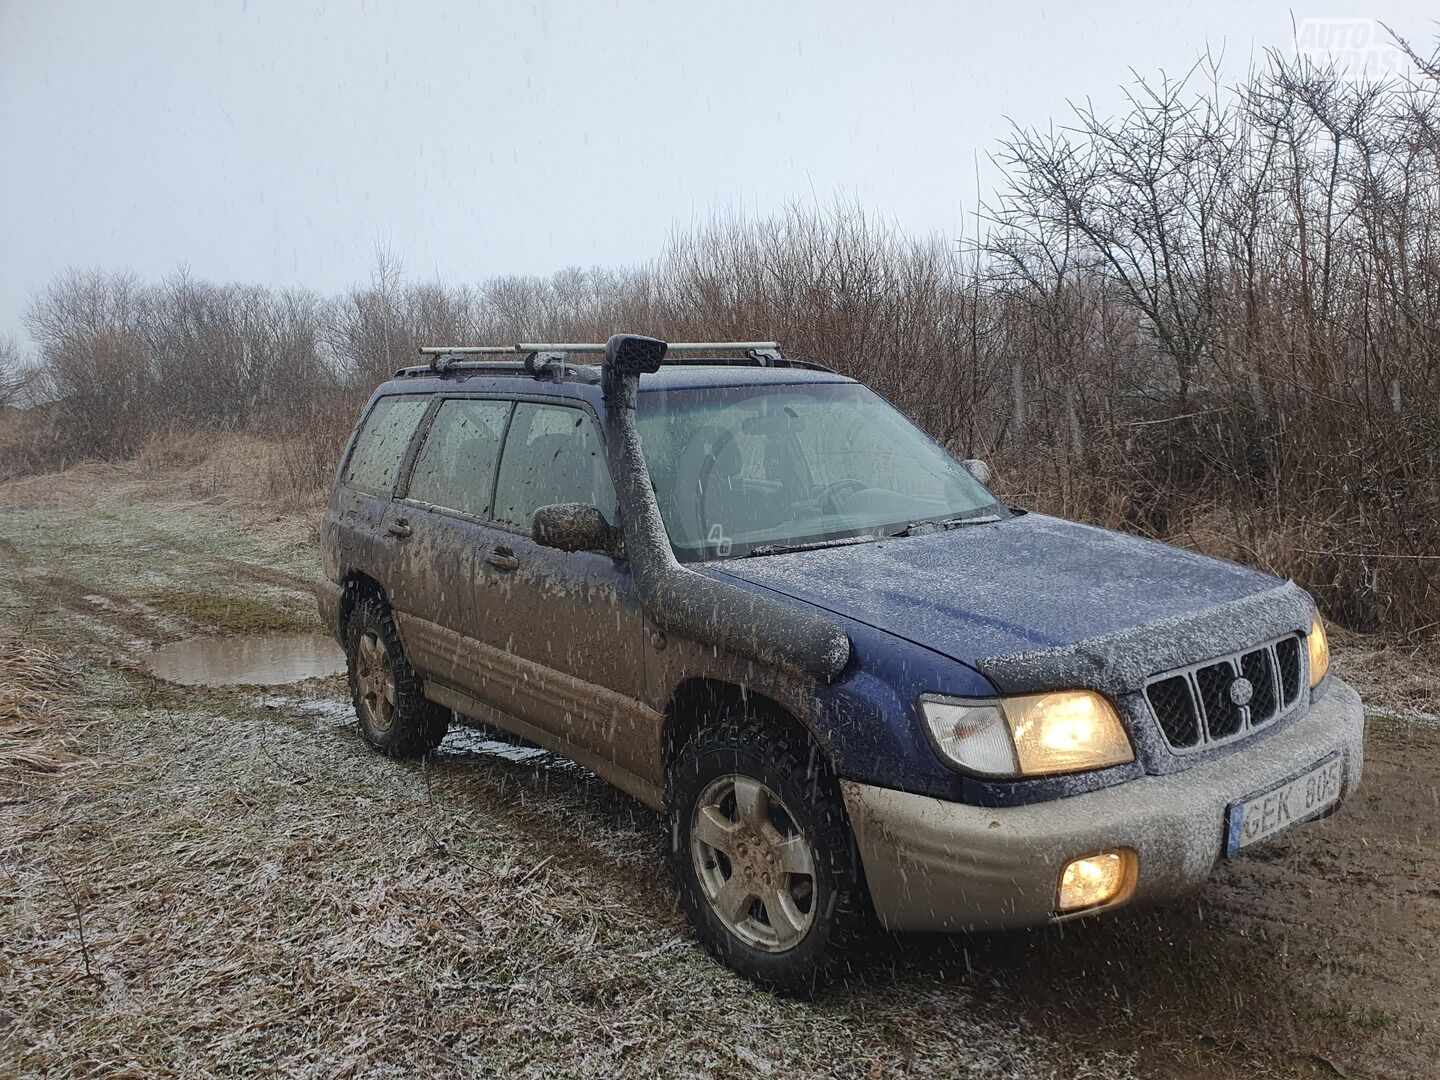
point(175, 448)
point(267, 476)
point(285, 472)
point(25, 435)
point(266, 895)
point(32, 734)
point(1396, 680)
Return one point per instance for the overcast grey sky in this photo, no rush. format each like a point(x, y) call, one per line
point(276, 141)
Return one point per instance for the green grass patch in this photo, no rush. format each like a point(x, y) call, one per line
point(1356, 1018)
point(234, 614)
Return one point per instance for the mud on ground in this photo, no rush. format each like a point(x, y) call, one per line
point(227, 881)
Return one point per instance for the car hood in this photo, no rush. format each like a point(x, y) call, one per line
point(1035, 600)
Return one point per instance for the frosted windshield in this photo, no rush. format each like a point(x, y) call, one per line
point(740, 469)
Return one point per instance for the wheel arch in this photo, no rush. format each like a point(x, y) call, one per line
point(353, 586)
point(700, 702)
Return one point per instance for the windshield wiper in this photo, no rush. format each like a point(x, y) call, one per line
point(813, 545)
point(914, 528)
point(940, 524)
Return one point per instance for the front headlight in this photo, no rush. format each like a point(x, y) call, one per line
point(1029, 735)
point(1319, 653)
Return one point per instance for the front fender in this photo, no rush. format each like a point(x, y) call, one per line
point(870, 720)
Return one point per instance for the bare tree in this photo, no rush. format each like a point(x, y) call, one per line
point(15, 378)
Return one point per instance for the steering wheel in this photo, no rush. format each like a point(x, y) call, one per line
point(848, 486)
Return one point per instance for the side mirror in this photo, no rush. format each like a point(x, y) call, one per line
point(574, 527)
point(979, 470)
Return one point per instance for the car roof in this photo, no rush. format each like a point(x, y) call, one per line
point(687, 376)
point(583, 381)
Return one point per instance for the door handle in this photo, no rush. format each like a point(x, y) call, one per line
point(399, 527)
point(502, 558)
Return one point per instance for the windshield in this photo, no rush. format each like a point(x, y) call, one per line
point(739, 470)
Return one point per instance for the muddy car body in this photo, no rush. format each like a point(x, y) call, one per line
point(972, 718)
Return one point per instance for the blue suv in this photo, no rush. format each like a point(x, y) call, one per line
point(750, 593)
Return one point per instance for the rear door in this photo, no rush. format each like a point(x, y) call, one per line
point(569, 621)
point(367, 486)
point(438, 527)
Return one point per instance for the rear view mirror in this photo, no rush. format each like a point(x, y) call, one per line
point(574, 527)
point(978, 469)
point(774, 422)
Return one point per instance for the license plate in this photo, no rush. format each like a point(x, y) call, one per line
point(1262, 816)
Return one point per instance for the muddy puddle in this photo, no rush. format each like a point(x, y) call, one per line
point(260, 660)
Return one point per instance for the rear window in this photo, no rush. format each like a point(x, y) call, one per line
point(552, 455)
point(375, 462)
point(456, 467)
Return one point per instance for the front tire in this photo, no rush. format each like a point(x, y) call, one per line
point(395, 716)
point(763, 856)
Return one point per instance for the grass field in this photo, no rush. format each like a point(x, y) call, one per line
point(227, 881)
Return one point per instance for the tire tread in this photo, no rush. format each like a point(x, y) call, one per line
point(794, 755)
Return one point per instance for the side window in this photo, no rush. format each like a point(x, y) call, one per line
point(375, 461)
point(552, 455)
point(456, 467)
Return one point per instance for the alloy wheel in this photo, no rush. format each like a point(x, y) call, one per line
point(753, 863)
point(375, 681)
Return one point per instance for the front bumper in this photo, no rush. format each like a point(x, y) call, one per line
point(937, 865)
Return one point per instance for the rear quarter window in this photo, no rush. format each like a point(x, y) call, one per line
point(374, 464)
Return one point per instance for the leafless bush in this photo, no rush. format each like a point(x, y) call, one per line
point(302, 468)
point(15, 378)
point(1213, 318)
point(1273, 256)
point(121, 360)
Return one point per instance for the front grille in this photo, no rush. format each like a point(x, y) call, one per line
point(1222, 716)
point(1202, 706)
point(1174, 707)
point(1260, 670)
point(1287, 652)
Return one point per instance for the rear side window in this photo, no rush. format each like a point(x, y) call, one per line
point(456, 467)
point(375, 462)
point(552, 455)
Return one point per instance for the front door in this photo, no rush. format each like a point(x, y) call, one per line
point(570, 622)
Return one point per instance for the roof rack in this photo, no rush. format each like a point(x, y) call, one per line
point(548, 359)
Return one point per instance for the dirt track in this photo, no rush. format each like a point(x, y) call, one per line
point(259, 892)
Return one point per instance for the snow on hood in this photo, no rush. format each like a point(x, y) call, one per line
point(1035, 599)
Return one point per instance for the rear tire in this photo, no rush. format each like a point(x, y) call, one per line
point(763, 857)
point(389, 698)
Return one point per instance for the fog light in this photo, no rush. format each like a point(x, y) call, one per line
point(1096, 879)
